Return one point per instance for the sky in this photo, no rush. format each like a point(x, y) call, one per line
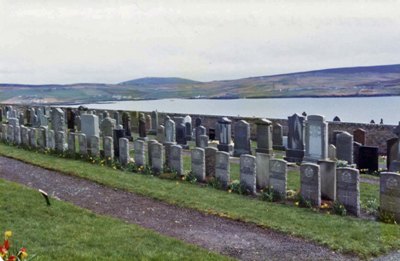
point(71, 41)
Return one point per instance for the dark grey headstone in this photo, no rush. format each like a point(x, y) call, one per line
point(368, 158)
point(242, 138)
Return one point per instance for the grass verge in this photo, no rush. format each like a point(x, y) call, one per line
point(344, 234)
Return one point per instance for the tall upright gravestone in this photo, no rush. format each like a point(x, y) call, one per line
point(310, 183)
point(248, 173)
point(225, 135)
point(344, 147)
point(242, 138)
point(277, 137)
point(295, 149)
point(390, 194)
point(278, 176)
point(264, 136)
point(348, 189)
point(316, 138)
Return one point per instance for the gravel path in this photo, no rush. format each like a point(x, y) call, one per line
point(233, 238)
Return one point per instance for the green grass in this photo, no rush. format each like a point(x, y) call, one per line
point(65, 232)
point(345, 234)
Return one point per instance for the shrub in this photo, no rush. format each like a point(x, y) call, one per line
point(339, 209)
point(271, 195)
point(386, 217)
point(371, 206)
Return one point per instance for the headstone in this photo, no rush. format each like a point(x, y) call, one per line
point(24, 136)
point(82, 144)
point(198, 164)
point(4, 132)
point(51, 140)
point(126, 124)
point(263, 170)
point(295, 148)
point(310, 181)
point(124, 157)
point(117, 134)
point(332, 152)
point(148, 123)
point(32, 137)
point(225, 135)
point(316, 138)
point(160, 134)
point(359, 136)
point(57, 120)
point(157, 158)
point(115, 115)
point(344, 147)
point(180, 130)
point(21, 118)
point(277, 137)
point(94, 146)
point(390, 194)
point(10, 133)
point(60, 139)
point(90, 125)
point(17, 135)
point(327, 170)
point(169, 130)
point(368, 158)
point(264, 136)
point(138, 146)
point(392, 151)
point(242, 139)
point(210, 161)
point(176, 160)
point(222, 168)
point(248, 173)
point(188, 127)
point(356, 151)
point(149, 143)
point(107, 126)
point(199, 131)
point(142, 127)
point(42, 138)
point(71, 142)
point(108, 146)
point(278, 176)
point(348, 189)
point(154, 122)
point(197, 122)
point(78, 123)
point(203, 141)
point(211, 134)
point(70, 119)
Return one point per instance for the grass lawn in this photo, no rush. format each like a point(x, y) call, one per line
point(65, 232)
point(345, 234)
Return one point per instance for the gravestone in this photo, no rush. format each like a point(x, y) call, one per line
point(390, 194)
point(57, 120)
point(154, 123)
point(108, 146)
point(169, 126)
point(295, 148)
point(82, 144)
point(17, 135)
point(24, 136)
point(197, 122)
point(334, 136)
point(210, 161)
point(264, 136)
point(138, 146)
point(176, 160)
point(198, 164)
point(262, 167)
point(94, 146)
point(157, 158)
point(348, 189)
point(225, 135)
point(160, 134)
point(248, 173)
point(242, 139)
point(10, 133)
point(135, 121)
point(116, 118)
point(188, 127)
point(148, 123)
point(344, 147)
point(316, 138)
point(71, 142)
point(392, 151)
point(124, 157)
point(222, 168)
point(203, 141)
point(278, 176)
point(368, 158)
point(199, 131)
point(21, 118)
point(149, 143)
point(117, 134)
point(107, 126)
point(180, 130)
point(51, 140)
point(211, 134)
point(78, 122)
point(142, 127)
point(4, 132)
point(332, 152)
point(359, 136)
point(126, 125)
point(327, 170)
point(310, 181)
point(32, 137)
point(277, 137)
point(70, 119)
point(90, 125)
point(60, 139)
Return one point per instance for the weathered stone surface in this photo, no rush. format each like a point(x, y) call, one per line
point(160, 134)
point(316, 138)
point(107, 126)
point(200, 131)
point(94, 146)
point(108, 146)
point(169, 126)
point(82, 144)
point(188, 127)
point(71, 142)
point(138, 146)
point(154, 122)
point(142, 127)
point(348, 189)
point(203, 141)
point(278, 176)
point(222, 168)
point(32, 137)
point(332, 152)
point(24, 136)
point(60, 140)
point(359, 136)
point(149, 143)
point(327, 169)
point(10, 133)
point(344, 147)
point(90, 125)
point(17, 135)
point(225, 135)
point(248, 173)
point(264, 136)
point(4, 132)
point(126, 125)
point(295, 148)
point(242, 138)
point(176, 160)
point(117, 134)
point(263, 170)
point(210, 161)
point(51, 140)
point(57, 120)
point(310, 180)
point(198, 164)
point(277, 137)
point(42, 137)
point(124, 157)
point(157, 158)
point(390, 193)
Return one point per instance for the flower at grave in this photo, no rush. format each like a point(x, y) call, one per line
point(7, 234)
point(22, 254)
point(12, 258)
point(229, 191)
point(325, 205)
point(5, 252)
point(296, 203)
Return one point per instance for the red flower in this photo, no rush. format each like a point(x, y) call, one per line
point(6, 244)
point(12, 258)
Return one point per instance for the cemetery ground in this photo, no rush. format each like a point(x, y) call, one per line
point(363, 238)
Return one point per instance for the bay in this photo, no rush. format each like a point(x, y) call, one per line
point(360, 109)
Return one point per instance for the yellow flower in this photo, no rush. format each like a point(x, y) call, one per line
point(24, 255)
point(114, 167)
point(230, 191)
point(296, 203)
point(7, 234)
